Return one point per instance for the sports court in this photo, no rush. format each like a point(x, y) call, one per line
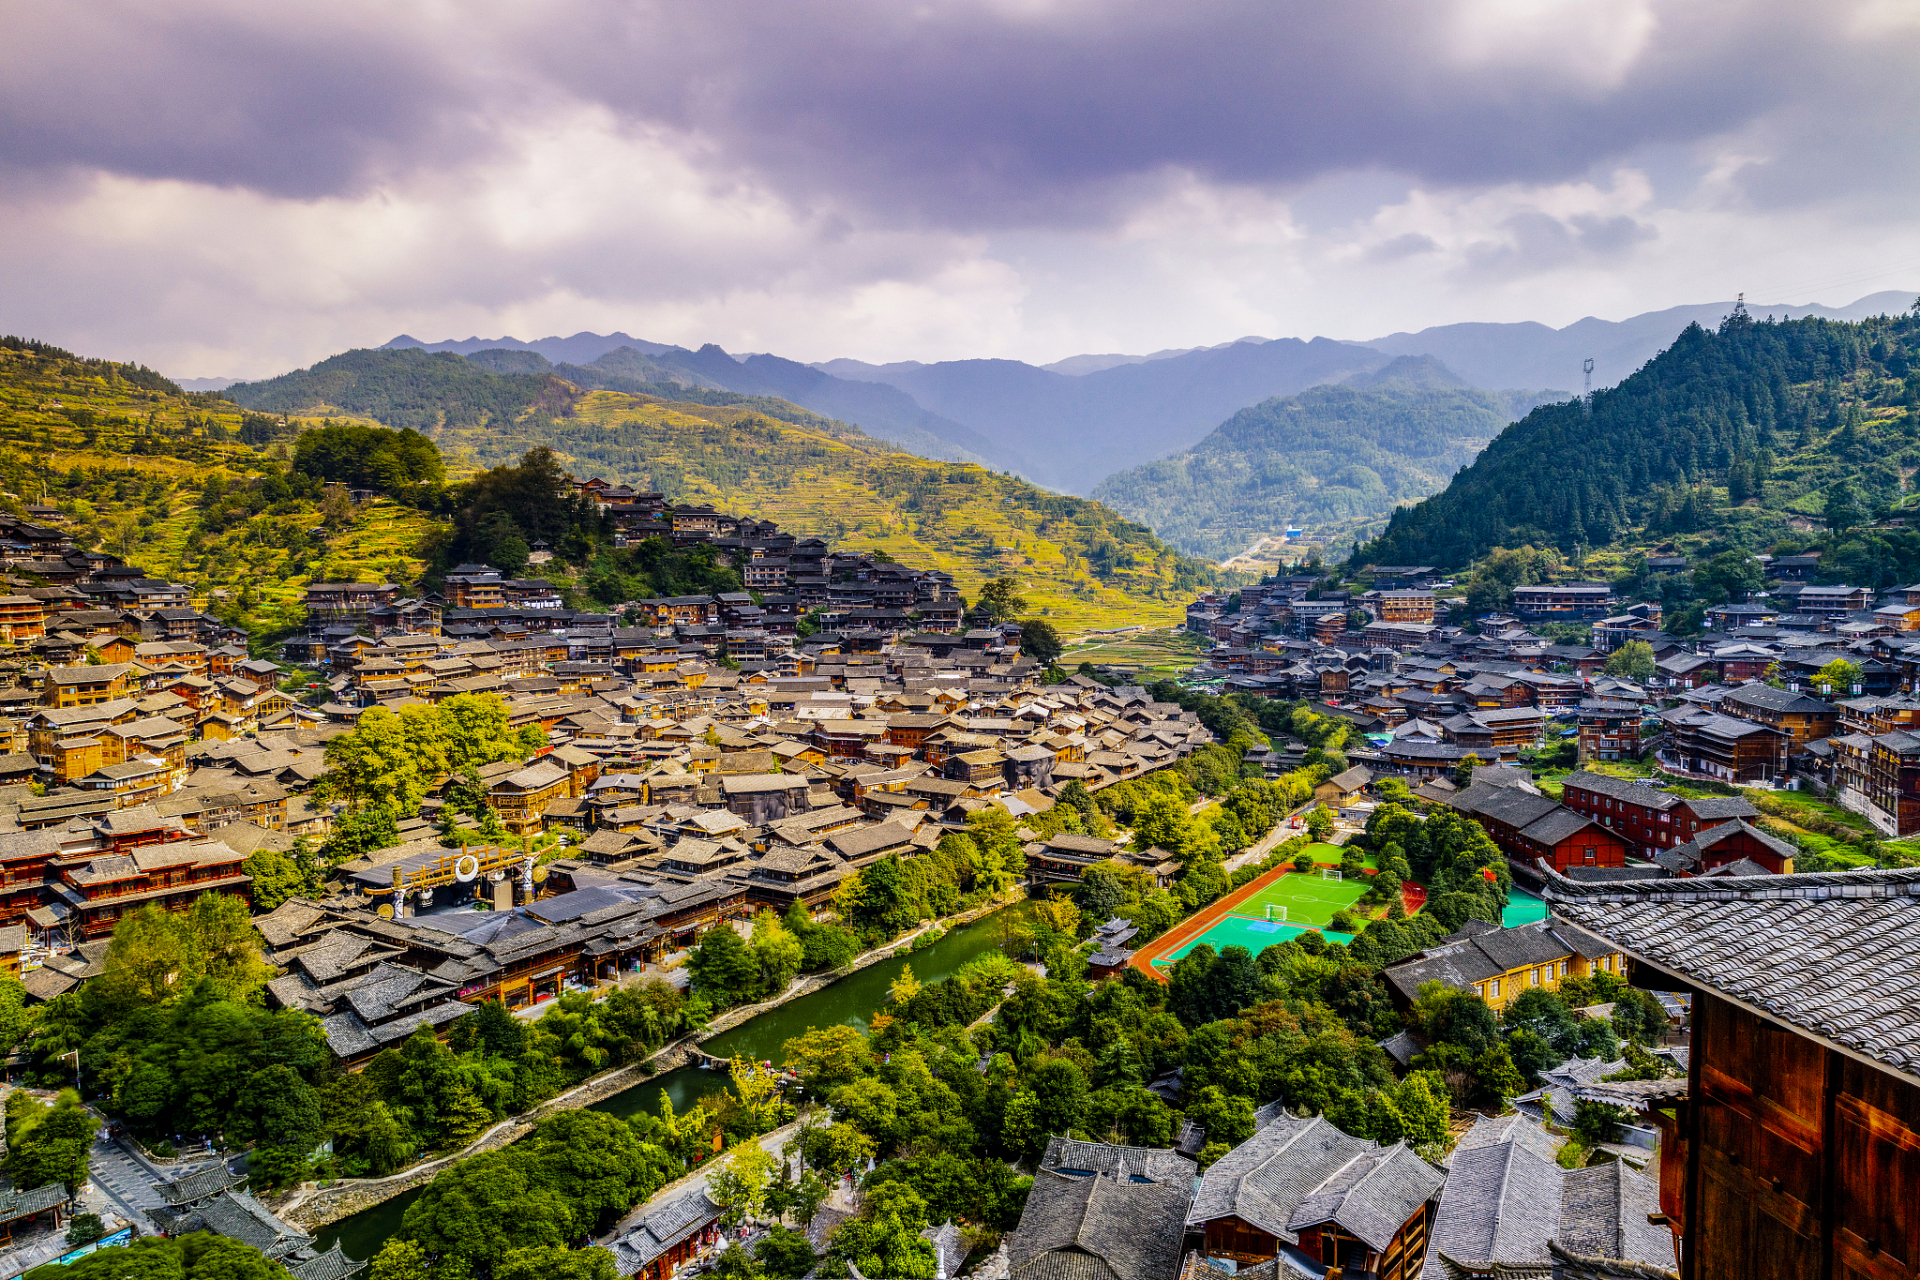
point(1308, 900)
point(1280, 905)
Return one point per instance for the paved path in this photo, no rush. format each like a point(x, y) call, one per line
point(128, 1183)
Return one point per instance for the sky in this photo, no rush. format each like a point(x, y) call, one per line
point(217, 188)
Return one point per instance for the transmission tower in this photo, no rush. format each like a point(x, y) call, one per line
point(1586, 393)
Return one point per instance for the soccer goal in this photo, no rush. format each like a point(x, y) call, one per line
point(1276, 912)
point(1329, 873)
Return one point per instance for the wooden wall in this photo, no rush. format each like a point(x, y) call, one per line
point(1802, 1162)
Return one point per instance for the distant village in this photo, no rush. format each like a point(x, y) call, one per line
point(1737, 704)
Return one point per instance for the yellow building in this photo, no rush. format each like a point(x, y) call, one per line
point(83, 686)
point(1499, 964)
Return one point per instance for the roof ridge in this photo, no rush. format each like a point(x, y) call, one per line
point(1885, 882)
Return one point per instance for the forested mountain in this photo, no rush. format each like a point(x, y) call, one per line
point(192, 487)
point(1528, 354)
point(1744, 432)
point(1329, 456)
point(412, 389)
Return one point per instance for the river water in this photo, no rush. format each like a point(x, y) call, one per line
point(847, 1001)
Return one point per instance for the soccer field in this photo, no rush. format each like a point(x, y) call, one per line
point(1310, 899)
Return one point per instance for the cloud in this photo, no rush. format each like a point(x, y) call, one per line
point(1403, 246)
point(233, 188)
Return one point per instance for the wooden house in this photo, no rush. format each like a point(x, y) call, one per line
point(1801, 716)
point(1317, 1198)
point(1793, 1146)
point(1529, 827)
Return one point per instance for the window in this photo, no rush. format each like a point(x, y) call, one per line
point(1480, 989)
point(1533, 977)
point(1589, 853)
point(1563, 968)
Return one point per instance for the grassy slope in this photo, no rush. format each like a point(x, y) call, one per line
point(146, 506)
point(863, 495)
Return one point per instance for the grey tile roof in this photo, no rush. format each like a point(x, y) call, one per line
point(1501, 1204)
point(1719, 808)
point(1603, 1213)
point(238, 1216)
point(1098, 1228)
point(331, 1265)
point(1295, 1173)
point(1476, 954)
point(661, 1229)
point(1154, 1164)
point(1511, 1127)
point(18, 1204)
point(1835, 954)
point(1555, 827)
point(197, 1184)
point(1506, 1204)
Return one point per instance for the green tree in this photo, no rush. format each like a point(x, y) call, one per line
point(884, 1238)
point(1000, 599)
point(1632, 660)
point(48, 1142)
point(724, 970)
point(283, 1119)
point(1040, 641)
point(399, 1259)
point(1838, 677)
point(1842, 507)
point(1463, 772)
point(1320, 824)
point(1729, 576)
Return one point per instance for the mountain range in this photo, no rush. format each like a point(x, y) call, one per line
point(1071, 424)
point(1079, 563)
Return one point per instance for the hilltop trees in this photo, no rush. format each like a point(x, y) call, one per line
point(397, 463)
point(1710, 409)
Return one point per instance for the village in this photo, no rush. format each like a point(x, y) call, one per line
point(700, 761)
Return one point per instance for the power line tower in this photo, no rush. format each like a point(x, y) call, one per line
point(1586, 393)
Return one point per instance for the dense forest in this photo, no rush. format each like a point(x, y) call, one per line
point(1328, 456)
point(1746, 434)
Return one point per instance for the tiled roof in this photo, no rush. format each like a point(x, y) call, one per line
point(1294, 1174)
point(1071, 1156)
point(1098, 1228)
point(1835, 954)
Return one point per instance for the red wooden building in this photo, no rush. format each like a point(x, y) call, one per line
point(1529, 827)
point(1732, 848)
point(1648, 818)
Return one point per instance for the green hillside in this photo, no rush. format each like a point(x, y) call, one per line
point(163, 478)
point(1333, 460)
point(1752, 436)
point(1080, 563)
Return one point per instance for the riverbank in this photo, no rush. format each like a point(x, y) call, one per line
point(312, 1207)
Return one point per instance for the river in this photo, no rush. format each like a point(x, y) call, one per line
point(847, 1001)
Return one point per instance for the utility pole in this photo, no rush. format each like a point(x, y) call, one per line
point(1586, 393)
